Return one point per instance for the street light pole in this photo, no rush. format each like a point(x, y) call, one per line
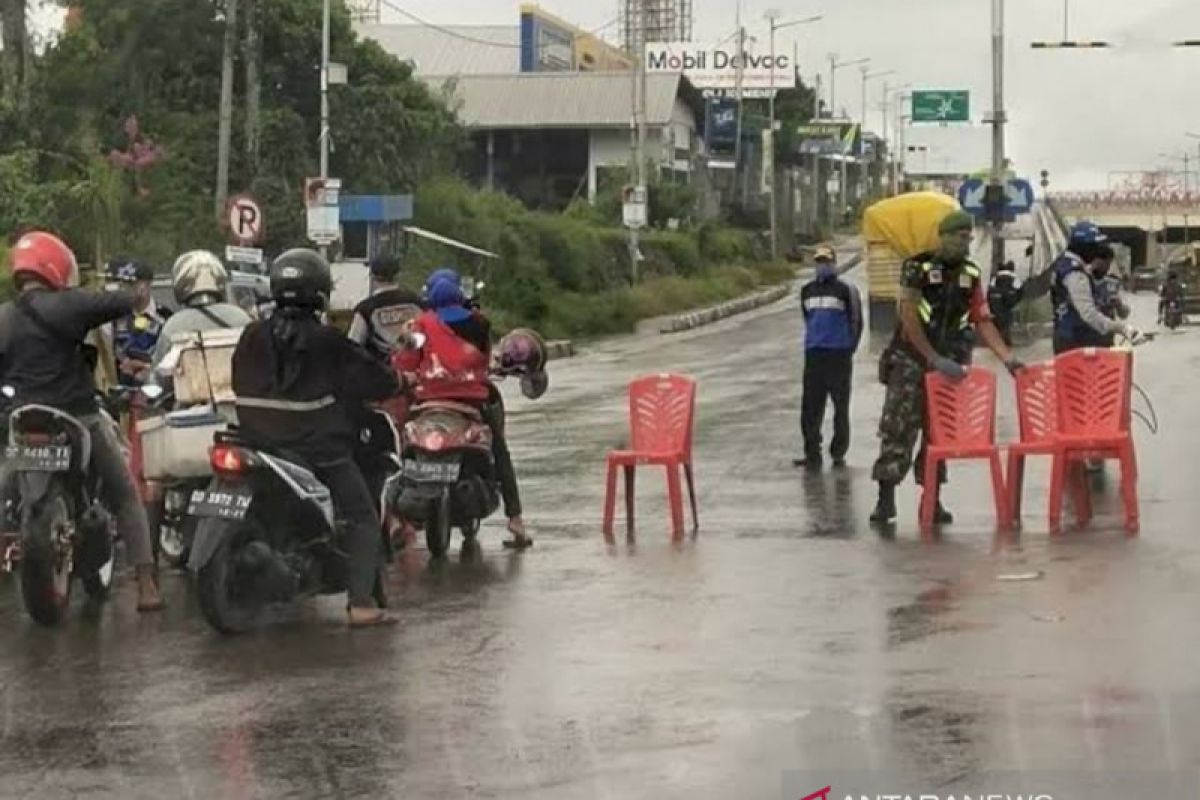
point(325, 100)
point(998, 120)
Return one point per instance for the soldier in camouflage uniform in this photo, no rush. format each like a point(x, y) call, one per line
point(942, 299)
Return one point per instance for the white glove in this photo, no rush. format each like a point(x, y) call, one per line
point(1135, 336)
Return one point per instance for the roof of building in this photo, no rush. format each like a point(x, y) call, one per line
point(450, 50)
point(559, 99)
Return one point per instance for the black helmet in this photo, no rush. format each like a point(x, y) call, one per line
point(301, 277)
point(385, 267)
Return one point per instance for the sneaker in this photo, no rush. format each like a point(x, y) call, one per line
point(808, 463)
point(839, 463)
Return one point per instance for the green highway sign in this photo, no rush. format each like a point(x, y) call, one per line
point(941, 106)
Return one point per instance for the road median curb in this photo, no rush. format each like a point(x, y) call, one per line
point(707, 316)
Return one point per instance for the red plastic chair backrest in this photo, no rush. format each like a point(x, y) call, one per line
point(961, 413)
point(1037, 403)
point(1094, 388)
point(661, 412)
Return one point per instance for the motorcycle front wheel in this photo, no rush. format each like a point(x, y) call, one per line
point(46, 558)
point(437, 526)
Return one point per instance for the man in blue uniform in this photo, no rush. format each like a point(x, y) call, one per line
point(1079, 296)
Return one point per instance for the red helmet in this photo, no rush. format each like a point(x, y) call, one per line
point(43, 256)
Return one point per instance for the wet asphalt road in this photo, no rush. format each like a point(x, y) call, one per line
point(787, 637)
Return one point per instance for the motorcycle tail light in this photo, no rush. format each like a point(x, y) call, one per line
point(434, 441)
point(35, 438)
point(226, 460)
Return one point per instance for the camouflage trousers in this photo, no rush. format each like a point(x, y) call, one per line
point(903, 421)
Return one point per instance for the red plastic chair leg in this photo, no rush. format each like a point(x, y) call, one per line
point(1015, 486)
point(630, 483)
point(1129, 488)
point(1058, 476)
point(999, 495)
point(610, 498)
point(691, 487)
point(929, 493)
point(675, 495)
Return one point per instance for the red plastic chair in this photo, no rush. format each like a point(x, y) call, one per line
point(1037, 407)
point(962, 426)
point(662, 409)
point(1094, 413)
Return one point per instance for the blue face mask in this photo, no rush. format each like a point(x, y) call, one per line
point(826, 270)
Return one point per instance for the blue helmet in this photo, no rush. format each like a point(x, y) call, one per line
point(445, 297)
point(1084, 232)
point(444, 274)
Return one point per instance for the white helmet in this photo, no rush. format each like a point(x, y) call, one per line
point(199, 279)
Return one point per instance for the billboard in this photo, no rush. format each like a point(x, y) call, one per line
point(720, 125)
point(721, 67)
point(548, 44)
point(941, 106)
point(829, 137)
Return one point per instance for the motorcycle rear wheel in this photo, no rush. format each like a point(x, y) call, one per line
point(45, 574)
point(437, 527)
point(221, 601)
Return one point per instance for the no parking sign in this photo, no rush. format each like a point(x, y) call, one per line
point(245, 219)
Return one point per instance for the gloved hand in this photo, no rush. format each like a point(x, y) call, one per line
point(949, 368)
point(1014, 365)
point(1135, 336)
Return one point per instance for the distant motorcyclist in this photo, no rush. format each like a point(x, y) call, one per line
point(1005, 293)
point(453, 365)
point(1078, 297)
point(1171, 294)
point(199, 281)
point(300, 385)
point(381, 318)
point(135, 335)
point(44, 359)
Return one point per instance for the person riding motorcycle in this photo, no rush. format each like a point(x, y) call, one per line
point(299, 385)
point(1111, 304)
point(1005, 293)
point(44, 359)
point(1171, 294)
point(1077, 295)
point(135, 335)
point(199, 281)
point(453, 365)
point(380, 319)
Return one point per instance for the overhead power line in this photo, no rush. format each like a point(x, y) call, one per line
point(475, 40)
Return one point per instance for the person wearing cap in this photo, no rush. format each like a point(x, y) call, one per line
point(941, 301)
point(452, 364)
point(1078, 294)
point(381, 318)
point(833, 325)
point(135, 335)
point(1005, 293)
point(1111, 304)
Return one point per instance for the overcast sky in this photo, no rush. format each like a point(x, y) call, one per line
point(1079, 114)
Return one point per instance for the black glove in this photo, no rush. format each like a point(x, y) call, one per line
point(949, 368)
point(1014, 366)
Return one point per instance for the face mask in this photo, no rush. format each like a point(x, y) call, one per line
point(826, 270)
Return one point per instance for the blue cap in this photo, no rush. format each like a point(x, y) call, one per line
point(1084, 232)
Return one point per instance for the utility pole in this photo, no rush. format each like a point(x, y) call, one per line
point(740, 94)
point(639, 134)
point(225, 112)
point(996, 188)
point(325, 99)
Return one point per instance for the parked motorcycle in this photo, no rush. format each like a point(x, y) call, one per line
point(65, 531)
point(267, 534)
point(448, 475)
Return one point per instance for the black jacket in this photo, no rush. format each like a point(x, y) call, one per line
point(379, 319)
point(47, 363)
point(301, 386)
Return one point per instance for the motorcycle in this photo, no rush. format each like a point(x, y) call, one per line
point(1173, 314)
point(65, 533)
point(266, 534)
point(448, 474)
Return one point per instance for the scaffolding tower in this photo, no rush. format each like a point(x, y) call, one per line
point(666, 21)
point(364, 10)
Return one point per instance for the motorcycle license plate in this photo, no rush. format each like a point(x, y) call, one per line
point(432, 471)
point(224, 503)
point(38, 458)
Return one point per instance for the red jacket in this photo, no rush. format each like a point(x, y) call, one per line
point(448, 367)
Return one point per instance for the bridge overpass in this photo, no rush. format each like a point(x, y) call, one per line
point(1151, 224)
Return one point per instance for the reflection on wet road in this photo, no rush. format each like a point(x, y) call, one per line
point(788, 636)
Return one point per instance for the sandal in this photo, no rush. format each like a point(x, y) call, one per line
point(378, 618)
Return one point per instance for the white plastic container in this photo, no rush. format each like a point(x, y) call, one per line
point(177, 445)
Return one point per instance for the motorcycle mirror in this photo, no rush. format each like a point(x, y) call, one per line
point(535, 384)
point(152, 391)
point(8, 392)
